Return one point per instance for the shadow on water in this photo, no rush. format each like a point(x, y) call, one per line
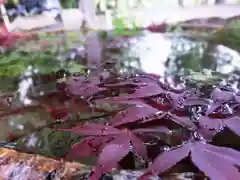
point(36, 74)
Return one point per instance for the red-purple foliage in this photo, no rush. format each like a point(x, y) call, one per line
point(151, 108)
point(155, 107)
point(215, 162)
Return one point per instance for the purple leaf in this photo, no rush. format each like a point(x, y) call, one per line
point(213, 165)
point(85, 91)
point(143, 91)
point(228, 154)
point(222, 96)
point(237, 98)
point(170, 158)
point(113, 153)
point(147, 90)
point(88, 146)
point(182, 120)
point(124, 101)
point(123, 84)
point(213, 107)
point(233, 123)
point(110, 156)
point(176, 100)
point(133, 114)
point(93, 130)
point(210, 123)
point(179, 100)
point(206, 133)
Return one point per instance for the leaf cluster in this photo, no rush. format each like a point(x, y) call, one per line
point(179, 123)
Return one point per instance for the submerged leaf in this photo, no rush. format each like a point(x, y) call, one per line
point(93, 130)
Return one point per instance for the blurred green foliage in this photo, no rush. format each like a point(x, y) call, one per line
point(124, 26)
point(229, 37)
point(69, 3)
point(202, 53)
point(16, 63)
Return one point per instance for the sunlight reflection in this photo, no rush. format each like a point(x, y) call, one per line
point(153, 51)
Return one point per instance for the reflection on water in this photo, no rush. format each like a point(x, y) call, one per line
point(154, 50)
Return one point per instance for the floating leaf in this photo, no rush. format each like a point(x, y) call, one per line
point(213, 107)
point(222, 96)
point(210, 123)
point(215, 162)
point(182, 120)
point(143, 91)
point(215, 166)
point(88, 146)
point(110, 156)
point(227, 153)
point(170, 158)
